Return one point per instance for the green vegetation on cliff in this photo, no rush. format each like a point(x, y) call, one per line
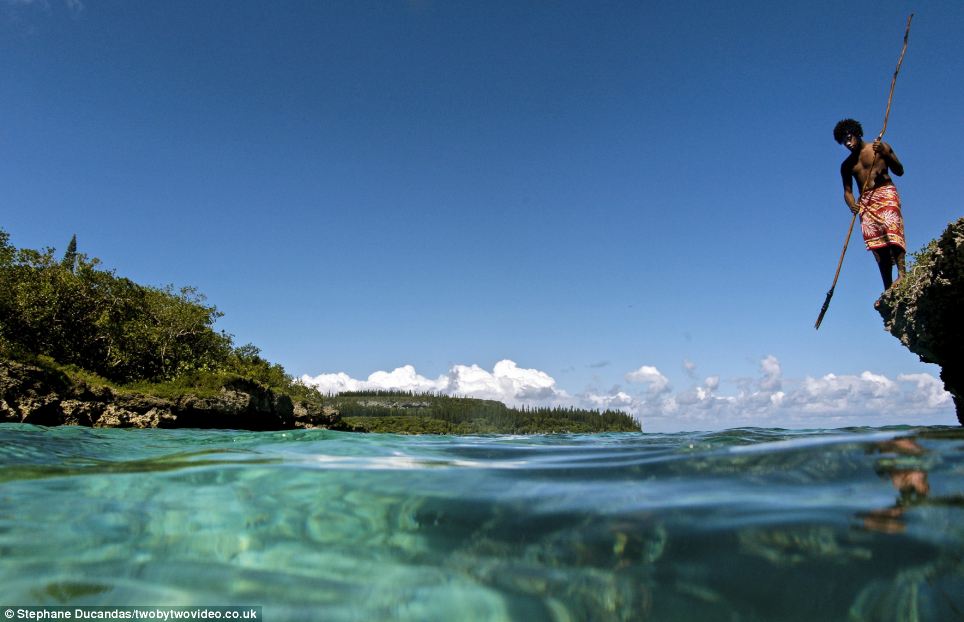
point(72, 317)
point(90, 320)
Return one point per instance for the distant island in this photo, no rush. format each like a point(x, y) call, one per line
point(80, 345)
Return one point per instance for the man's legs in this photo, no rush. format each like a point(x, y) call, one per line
point(885, 263)
point(899, 253)
point(887, 257)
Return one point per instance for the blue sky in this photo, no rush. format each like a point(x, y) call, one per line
point(625, 204)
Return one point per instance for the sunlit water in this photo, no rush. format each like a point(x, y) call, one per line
point(740, 525)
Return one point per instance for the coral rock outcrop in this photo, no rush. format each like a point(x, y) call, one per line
point(32, 394)
point(925, 310)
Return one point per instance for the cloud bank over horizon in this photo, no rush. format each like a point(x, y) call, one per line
point(770, 400)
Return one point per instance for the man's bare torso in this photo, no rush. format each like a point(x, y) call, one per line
point(862, 165)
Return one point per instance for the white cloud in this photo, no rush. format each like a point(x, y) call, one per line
point(928, 388)
point(655, 381)
point(833, 393)
point(406, 379)
point(333, 383)
point(615, 400)
point(401, 378)
point(831, 400)
point(771, 400)
point(771, 373)
point(701, 396)
point(507, 382)
point(690, 368)
point(524, 383)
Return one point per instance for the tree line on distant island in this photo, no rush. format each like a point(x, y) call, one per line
point(391, 411)
point(90, 323)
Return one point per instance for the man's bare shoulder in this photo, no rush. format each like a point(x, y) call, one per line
point(849, 162)
point(886, 147)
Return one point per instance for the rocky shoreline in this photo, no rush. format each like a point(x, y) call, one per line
point(925, 309)
point(32, 394)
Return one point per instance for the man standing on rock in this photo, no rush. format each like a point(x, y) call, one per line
point(881, 221)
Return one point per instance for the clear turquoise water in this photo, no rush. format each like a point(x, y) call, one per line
point(747, 524)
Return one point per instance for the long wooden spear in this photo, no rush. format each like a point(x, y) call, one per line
point(893, 82)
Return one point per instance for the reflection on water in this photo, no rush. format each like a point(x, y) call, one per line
point(743, 525)
point(906, 470)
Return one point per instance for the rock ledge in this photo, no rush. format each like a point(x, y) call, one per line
point(31, 394)
point(925, 310)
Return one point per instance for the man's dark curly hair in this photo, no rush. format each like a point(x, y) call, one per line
point(845, 127)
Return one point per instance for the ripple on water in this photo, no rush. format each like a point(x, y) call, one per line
point(744, 524)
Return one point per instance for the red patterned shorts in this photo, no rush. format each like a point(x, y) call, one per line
point(880, 218)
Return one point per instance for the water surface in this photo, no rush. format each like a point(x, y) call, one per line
point(749, 524)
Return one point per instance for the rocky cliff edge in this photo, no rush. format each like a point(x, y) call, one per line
point(925, 310)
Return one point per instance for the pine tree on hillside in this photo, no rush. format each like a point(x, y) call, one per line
point(70, 257)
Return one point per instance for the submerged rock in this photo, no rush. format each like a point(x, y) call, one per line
point(925, 309)
point(32, 394)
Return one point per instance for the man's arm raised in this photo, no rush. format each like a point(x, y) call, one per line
point(886, 152)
